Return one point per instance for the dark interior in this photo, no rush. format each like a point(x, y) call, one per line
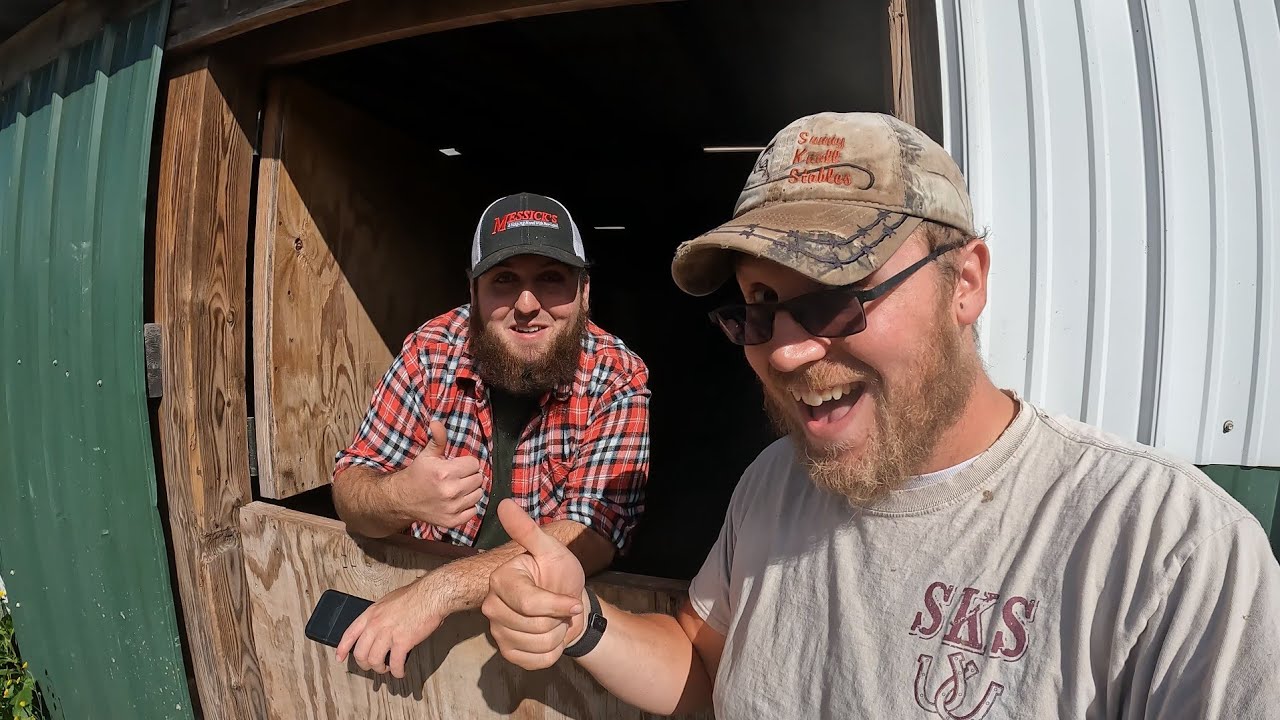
point(609, 112)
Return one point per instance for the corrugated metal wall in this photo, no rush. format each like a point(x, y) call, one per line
point(1255, 488)
point(1126, 158)
point(81, 543)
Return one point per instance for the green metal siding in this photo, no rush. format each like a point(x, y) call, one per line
point(81, 541)
point(1258, 489)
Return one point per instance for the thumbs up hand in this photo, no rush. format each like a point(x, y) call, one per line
point(440, 491)
point(535, 600)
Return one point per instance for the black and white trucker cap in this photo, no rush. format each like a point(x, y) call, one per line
point(525, 224)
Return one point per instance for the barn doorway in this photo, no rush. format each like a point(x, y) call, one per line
point(643, 120)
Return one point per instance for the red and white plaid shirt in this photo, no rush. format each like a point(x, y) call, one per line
point(584, 458)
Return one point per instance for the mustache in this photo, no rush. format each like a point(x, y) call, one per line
point(821, 375)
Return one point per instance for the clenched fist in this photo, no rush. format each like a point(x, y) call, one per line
point(440, 491)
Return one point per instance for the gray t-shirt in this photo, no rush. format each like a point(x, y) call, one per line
point(1064, 574)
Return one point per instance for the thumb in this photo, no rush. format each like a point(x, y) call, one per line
point(436, 442)
point(525, 531)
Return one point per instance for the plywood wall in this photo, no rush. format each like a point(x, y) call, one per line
point(291, 558)
point(349, 259)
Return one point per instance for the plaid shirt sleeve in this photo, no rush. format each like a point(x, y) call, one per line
point(605, 488)
point(394, 429)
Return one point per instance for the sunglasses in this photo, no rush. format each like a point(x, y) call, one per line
point(829, 313)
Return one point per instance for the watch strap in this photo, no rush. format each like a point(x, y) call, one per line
point(595, 627)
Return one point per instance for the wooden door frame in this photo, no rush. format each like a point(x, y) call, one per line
point(212, 90)
point(201, 244)
point(283, 32)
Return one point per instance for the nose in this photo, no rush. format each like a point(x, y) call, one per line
point(527, 303)
point(792, 347)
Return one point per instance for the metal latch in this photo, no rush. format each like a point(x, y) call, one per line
point(153, 359)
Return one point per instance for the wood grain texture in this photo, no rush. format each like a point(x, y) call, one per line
point(360, 23)
point(347, 264)
point(292, 558)
point(202, 220)
point(915, 82)
point(197, 23)
point(901, 87)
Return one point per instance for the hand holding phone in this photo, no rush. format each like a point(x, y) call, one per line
point(333, 614)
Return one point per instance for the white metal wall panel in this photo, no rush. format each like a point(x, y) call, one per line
point(1125, 157)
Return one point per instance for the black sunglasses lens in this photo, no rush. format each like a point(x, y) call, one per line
point(829, 314)
point(823, 314)
point(759, 323)
point(732, 320)
point(745, 324)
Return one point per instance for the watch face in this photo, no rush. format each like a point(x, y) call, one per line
point(598, 622)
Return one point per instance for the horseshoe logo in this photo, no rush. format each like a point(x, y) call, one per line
point(952, 693)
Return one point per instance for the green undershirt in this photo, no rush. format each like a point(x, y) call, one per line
point(511, 413)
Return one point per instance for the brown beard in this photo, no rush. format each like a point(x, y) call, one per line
point(910, 420)
point(499, 366)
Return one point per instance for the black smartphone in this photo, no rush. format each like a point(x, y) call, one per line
point(333, 614)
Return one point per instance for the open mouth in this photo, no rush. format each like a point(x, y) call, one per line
point(528, 332)
point(829, 406)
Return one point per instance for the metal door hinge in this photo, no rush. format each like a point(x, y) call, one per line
point(153, 359)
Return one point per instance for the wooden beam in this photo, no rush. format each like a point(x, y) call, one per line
point(901, 88)
point(360, 23)
point(63, 27)
point(926, 66)
point(915, 70)
point(198, 23)
point(201, 238)
point(292, 558)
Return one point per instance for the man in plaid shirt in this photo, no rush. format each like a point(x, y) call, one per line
point(516, 395)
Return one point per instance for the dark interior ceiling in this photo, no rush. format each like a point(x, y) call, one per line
point(608, 111)
point(615, 102)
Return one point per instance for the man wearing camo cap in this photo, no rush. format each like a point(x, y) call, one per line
point(920, 543)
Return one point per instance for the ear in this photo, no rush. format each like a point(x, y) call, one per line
point(586, 290)
point(971, 283)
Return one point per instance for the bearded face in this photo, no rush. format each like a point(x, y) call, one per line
point(905, 419)
point(866, 411)
point(528, 319)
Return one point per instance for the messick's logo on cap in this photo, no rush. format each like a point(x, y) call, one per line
point(525, 218)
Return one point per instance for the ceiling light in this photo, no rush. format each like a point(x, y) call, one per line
point(609, 227)
point(451, 152)
point(732, 149)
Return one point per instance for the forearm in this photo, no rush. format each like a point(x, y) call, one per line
point(650, 662)
point(368, 502)
point(463, 584)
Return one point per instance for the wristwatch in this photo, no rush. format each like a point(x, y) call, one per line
point(596, 624)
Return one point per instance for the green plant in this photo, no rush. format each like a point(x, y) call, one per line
point(19, 698)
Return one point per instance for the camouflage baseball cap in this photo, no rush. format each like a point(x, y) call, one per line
point(833, 196)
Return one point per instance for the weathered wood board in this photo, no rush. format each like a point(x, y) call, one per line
point(201, 238)
point(291, 558)
point(197, 23)
point(360, 23)
point(349, 259)
point(915, 82)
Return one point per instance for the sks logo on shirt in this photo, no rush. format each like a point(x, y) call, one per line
point(963, 616)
